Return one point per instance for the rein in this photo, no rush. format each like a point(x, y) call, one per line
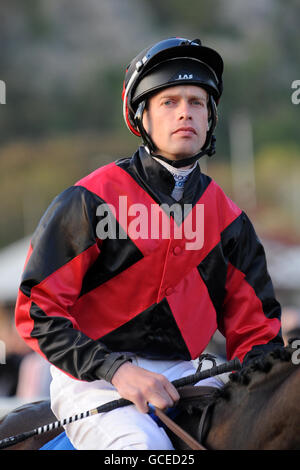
point(187, 438)
point(229, 366)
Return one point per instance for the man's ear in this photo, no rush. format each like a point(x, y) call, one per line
point(146, 118)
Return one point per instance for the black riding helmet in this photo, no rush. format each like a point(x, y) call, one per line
point(170, 62)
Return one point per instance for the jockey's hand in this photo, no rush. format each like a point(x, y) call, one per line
point(142, 387)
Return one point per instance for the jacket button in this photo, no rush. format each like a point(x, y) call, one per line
point(169, 291)
point(177, 250)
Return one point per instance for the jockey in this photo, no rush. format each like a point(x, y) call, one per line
point(132, 269)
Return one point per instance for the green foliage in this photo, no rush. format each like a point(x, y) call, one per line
point(192, 17)
point(64, 109)
point(33, 172)
point(278, 189)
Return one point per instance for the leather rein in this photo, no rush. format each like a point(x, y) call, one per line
point(187, 438)
point(183, 435)
point(205, 416)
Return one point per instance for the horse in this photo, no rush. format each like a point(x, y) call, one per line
point(257, 409)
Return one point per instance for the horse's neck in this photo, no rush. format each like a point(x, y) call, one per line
point(247, 417)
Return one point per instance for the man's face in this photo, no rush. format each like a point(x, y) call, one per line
point(176, 118)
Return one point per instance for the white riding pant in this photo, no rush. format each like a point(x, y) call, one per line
point(120, 429)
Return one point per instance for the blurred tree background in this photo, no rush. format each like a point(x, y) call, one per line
point(63, 62)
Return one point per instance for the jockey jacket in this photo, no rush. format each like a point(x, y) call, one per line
point(89, 298)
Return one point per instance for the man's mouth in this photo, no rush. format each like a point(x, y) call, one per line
point(185, 130)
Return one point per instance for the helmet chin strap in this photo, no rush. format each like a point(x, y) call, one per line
point(209, 147)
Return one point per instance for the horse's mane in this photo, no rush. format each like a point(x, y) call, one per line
point(243, 377)
point(263, 363)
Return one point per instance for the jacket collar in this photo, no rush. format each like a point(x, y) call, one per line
point(152, 172)
point(161, 180)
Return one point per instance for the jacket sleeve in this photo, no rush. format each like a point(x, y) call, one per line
point(250, 319)
point(62, 249)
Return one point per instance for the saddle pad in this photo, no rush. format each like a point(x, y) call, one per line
point(60, 442)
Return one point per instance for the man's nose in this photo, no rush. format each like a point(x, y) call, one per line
point(184, 111)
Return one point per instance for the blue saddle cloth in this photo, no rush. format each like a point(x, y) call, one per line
point(62, 442)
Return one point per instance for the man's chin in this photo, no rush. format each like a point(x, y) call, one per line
point(179, 154)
